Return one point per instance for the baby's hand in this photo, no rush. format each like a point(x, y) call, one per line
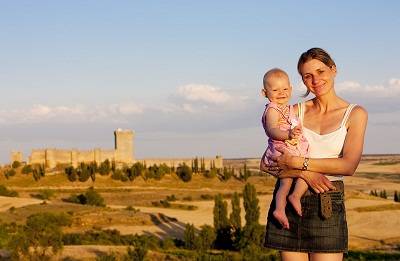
point(295, 133)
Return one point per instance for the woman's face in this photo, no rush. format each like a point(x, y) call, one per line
point(318, 77)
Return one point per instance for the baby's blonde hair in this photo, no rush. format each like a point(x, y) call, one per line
point(275, 72)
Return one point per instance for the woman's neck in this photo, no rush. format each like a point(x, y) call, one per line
point(328, 102)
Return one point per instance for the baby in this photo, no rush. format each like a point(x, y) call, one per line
point(282, 127)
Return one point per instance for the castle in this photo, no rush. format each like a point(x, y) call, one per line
point(122, 154)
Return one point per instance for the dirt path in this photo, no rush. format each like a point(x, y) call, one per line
point(7, 202)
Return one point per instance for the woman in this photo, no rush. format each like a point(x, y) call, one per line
point(335, 131)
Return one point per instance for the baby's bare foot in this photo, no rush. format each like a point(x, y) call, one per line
point(295, 201)
point(282, 218)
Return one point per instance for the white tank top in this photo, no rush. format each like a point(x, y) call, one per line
point(328, 145)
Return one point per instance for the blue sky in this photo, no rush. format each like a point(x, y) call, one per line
point(184, 75)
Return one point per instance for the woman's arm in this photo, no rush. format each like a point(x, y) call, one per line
point(352, 150)
point(317, 181)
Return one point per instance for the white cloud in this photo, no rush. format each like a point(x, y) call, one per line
point(40, 110)
point(390, 89)
point(126, 109)
point(204, 93)
point(188, 108)
point(202, 98)
point(77, 113)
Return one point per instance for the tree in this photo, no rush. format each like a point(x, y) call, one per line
point(189, 236)
point(250, 202)
point(104, 168)
point(202, 165)
point(26, 169)
point(396, 196)
point(196, 165)
point(221, 223)
point(253, 232)
point(138, 251)
point(184, 172)
point(4, 236)
point(235, 219)
point(93, 198)
point(71, 173)
point(42, 170)
point(205, 239)
point(9, 173)
point(226, 174)
point(15, 164)
point(246, 173)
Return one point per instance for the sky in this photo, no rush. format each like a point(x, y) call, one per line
point(184, 75)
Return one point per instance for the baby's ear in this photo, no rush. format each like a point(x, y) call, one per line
point(263, 92)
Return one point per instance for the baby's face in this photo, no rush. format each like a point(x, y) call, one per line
point(278, 90)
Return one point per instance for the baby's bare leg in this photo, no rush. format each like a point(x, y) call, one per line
point(280, 201)
point(299, 189)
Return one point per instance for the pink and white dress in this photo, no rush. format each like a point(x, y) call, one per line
point(288, 120)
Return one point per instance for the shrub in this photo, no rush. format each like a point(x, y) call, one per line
point(83, 172)
point(27, 169)
point(4, 236)
point(226, 174)
point(94, 198)
point(138, 252)
point(71, 173)
point(40, 238)
point(135, 170)
point(44, 194)
point(91, 197)
point(134, 210)
point(212, 173)
point(189, 236)
point(16, 164)
point(4, 191)
point(206, 196)
point(107, 257)
point(188, 198)
point(206, 238)
point(161, 203)
point(184, 173)
point(116, 174)
point(167, 243)
point(104, 168)
point(171, 198)
point(155, 172)
point(9, 173)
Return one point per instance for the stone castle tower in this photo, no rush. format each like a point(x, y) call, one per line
point(124, 146)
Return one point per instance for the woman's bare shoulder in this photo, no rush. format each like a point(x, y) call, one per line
point(359, 111)
point(358, 116)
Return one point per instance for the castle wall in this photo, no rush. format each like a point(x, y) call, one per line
point(107, 154)
point(62, 156)
point(123, 154)
point(16, 156)
point(86, 156)
point(37, 157)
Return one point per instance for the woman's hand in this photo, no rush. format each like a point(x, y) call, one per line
point(317, 181)
point(271, 169)
point(285, 160)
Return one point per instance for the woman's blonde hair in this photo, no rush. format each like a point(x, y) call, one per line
point(318, 54)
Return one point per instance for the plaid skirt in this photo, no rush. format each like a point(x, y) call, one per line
point(311, 232)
